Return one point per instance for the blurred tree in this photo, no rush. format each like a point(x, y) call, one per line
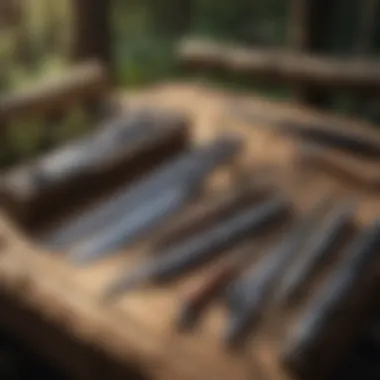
point(23, 49)
point(52, 33)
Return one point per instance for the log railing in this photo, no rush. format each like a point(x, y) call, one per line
point(86, 81)
point(359, 74)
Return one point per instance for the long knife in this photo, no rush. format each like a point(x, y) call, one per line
point(200, 248)
point(201, 160)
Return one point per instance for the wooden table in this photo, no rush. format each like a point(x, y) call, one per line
point(56, 307)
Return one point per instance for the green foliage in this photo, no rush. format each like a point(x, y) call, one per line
point(144, 59)
point(342, 27)
point(220, 18)
point(25, 143)
point(143, 50)
point(26, 138)
point(242, 20)
point(77, 122)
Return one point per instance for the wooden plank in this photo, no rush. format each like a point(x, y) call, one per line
point(138, 328)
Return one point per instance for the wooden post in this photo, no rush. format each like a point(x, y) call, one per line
point(298, 37)
point(91, 30)
point(91, 38)
point(297, 32)
point(364, 46)
point(367, 27)
point(307, 32)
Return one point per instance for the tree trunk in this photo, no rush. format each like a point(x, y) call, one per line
point(10, 13)
point(52, 28)
point(91, 30)
point(23, 50)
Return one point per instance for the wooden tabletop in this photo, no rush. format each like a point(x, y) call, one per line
point(138, 328)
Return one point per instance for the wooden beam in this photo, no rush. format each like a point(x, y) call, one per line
point(283, 66)
point(83, 82)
